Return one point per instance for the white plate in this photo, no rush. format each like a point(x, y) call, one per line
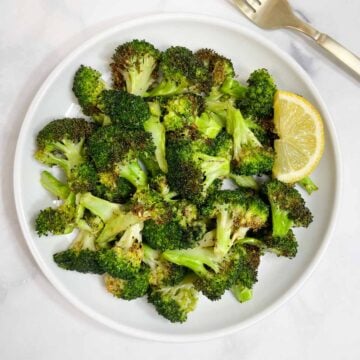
point(278, 278)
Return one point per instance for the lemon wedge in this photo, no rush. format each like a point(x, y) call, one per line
point(301, 137)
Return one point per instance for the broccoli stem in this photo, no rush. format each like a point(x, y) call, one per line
point(224, 225)
point(308, 185)
point(194, 259)
point(105, 210)
point(214, 167)
point(242, 293)
point(157, 130)
point(280, 222)
point(133, 173)
point(233, 88)
point(54, 186)
point(242, 135)
point(245, 181)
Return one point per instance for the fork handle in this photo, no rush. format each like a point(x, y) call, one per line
point(326, 42)
point(340, 52)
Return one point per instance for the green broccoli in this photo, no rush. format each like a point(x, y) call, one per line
point(134, 66)
point(259, 97)
point(215, 274)
point(288, 208)
point(157, 130)
point(181, 72)
point(129, 289)
point(235, 211)
point(115, 216)
point(192, 172)
point(61, 143)
point(124, 259)
point(174, 302)
point(54, 186)
point(162, 272)
point(308, 185)
point(57, 221)
point(126, 110)
point(117, 151)
point(82, 255)
point(87, 87)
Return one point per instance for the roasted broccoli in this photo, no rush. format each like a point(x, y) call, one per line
point(193, 173)
point(288, 208)
point(82, 255)
point(134, 66)
point(87, 87)
point(235, 212)
point(174, 302)
point(181, 72)
point(129, 289)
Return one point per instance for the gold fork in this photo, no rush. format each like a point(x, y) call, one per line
point(275, 14)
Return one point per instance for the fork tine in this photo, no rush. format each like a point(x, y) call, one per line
point(255, 4)
point(245, 8)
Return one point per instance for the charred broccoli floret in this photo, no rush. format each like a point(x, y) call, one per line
point(288, 208)
point(129, 289)
point(259, 96)
point(192, 171)
point(162, 272)
point(82, 255)
point(87, 87)
point(235, 211)
point(181, 72)
point(174, 302)
point(126, 110)
point(134, 66)
point(124, 259)
point(215, 274)
point(57, 221)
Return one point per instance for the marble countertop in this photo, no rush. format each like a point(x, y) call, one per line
point(36, 322)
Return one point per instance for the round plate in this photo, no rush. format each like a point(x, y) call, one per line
point(278, 278)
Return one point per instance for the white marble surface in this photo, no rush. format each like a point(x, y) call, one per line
point(321, 321)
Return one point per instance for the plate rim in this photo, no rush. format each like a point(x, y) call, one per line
point(153, 335)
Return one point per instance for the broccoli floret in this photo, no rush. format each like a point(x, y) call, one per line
point(134, 66)
point(219, 67)
point(235, 211)
point(129, 289)
point(162, 272)
point(157, 130)
point(61, 142)
point(113, 188)
point(308, 185)
point(83, 178)
point(124, 259)
point(174, 302)
point(250, 157)
point(126, 110)
point(82, 255)
point(57, 221)
point(180, 111)
point(259, 97)
point(87, 87)
point(215, 274)
point(192, 172)
point(288, 208)
point(159, 183)
point(285, 245)
point(117, 151)
point(233, 88)
point(54, 186)
point(171, 234)
point(181, 72)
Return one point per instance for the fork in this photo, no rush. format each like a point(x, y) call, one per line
point(275, 14)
